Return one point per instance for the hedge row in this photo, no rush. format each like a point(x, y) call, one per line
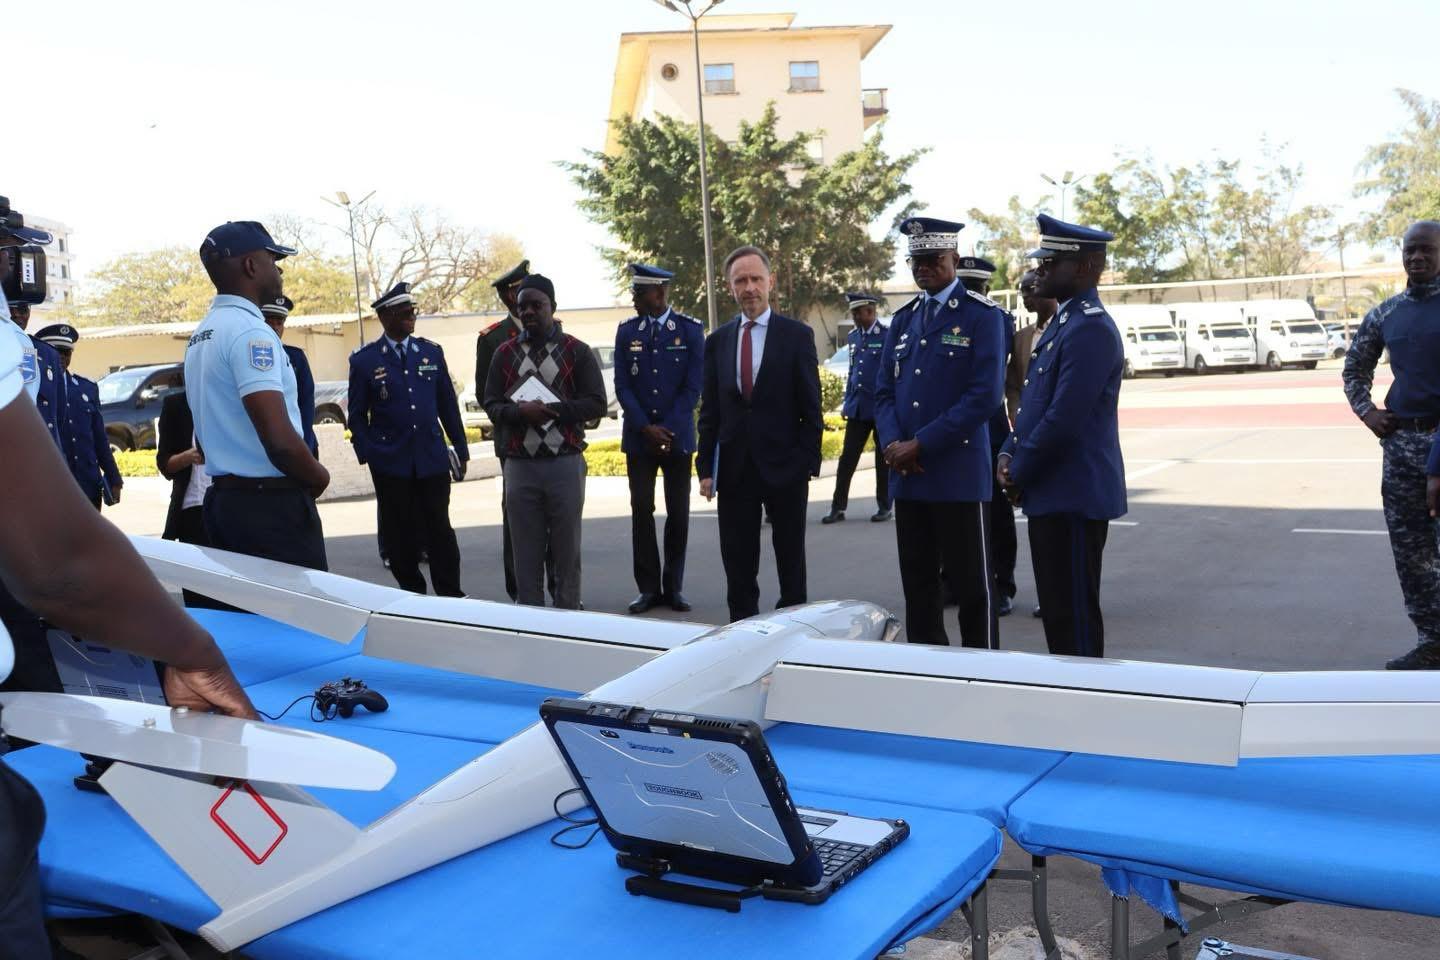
point(603, 457)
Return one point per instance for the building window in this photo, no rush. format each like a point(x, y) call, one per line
point(804, 75)
point(815, 147)
point(65, 271)
point(719, 78)
point(62, 244)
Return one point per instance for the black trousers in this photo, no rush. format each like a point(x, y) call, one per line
point(1004, 544)
point(276, 524)
point(415, 511)
point(650, 576)
point(739, 512)
point(856, 433)
point(22, 915)
point(948, 539)
point(512, 589)
point(1066, 550)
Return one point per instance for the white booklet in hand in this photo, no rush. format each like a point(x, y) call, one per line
point(533, 388)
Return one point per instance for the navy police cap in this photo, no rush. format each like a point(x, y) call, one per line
point(239, 237)
point(1058, 238)
point(396, 296)
point(517, 274)
point(61, 336)
point(927, 234)
point(280, 308)
point(644, 275)
point(853, 300)
point(975, 268)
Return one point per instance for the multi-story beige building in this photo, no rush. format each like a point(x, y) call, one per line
point(59, 265)
point(811, 73)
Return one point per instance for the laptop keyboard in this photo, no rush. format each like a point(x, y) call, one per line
point(836, 856)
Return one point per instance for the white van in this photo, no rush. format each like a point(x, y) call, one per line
point(1151, 341)
point(1286, 332)
point(1214, 335)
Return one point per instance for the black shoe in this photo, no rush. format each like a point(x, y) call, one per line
point(834, 516)
point(1005, 607)
point(1036, 611)
point(880, 516)
point(678, 602)
point(1420, 658)
point(643, 602)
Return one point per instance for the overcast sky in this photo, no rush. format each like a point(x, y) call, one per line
point(160, 119)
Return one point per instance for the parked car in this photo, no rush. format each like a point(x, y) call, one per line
point(130, 401)
point(839, 364)
point(332, 401)
point(1338, 343)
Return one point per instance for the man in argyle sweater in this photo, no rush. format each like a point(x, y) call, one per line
point(541, 389)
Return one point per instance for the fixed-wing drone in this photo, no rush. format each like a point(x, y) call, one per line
point(828, 664)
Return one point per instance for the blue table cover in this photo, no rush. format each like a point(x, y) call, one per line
point(1360, 832)
point(261, 649)
point(966, 777)
point(423, 700)
point(520, 897)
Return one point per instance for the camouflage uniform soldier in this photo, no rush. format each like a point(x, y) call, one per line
point(1409, 325)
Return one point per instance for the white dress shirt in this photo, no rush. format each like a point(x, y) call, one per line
point(757, 346)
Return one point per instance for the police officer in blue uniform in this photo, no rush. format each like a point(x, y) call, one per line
point(275, 315)
point(659, 366)
point(942, 376)
point(50, 395)
point(91, 460)
point(975, 274)
point(400, 397)
point(1062, 462)
point(865, 341)
point(241, 391)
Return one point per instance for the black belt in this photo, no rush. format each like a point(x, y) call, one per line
point(232, 482)
point(1421, 424)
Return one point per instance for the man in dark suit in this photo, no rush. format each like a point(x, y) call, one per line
point(760, 427)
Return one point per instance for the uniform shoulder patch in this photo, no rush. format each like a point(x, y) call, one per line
point(1091, 309)
point(261, 354)
point(694, 320)
point(982, 298)
point(493, 327)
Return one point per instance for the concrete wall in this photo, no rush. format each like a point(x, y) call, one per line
point(329, 346)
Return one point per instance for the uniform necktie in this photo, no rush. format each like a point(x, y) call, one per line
point(931, 306)
point(747, 363)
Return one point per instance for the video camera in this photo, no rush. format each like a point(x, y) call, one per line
point(24, 281)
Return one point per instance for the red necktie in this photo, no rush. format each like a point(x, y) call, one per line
point(747, 365)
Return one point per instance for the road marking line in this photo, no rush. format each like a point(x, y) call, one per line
point(1358, 533)
point(1231, 429)
point(1153, 468)
point(1113, 523)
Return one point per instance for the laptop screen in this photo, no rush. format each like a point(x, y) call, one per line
point(94, 671)
point(666, 787)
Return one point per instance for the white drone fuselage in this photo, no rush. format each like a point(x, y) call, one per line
point(827, 664)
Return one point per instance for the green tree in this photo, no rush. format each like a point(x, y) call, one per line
point(1268, 232)
point(813, 219)
point(154, 286)
point(1134, 202)
point(1005, 239)
point(1405, 172)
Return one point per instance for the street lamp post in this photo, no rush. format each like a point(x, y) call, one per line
point(344, 203)
point(1065, 183)
point(704, 172)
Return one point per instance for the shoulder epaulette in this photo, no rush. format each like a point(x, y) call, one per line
point(913, 301)
point(686, 316)
point(494, 326)
point(982, 298)
point(1090, 309)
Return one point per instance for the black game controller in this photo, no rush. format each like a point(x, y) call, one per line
point(344, 694)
